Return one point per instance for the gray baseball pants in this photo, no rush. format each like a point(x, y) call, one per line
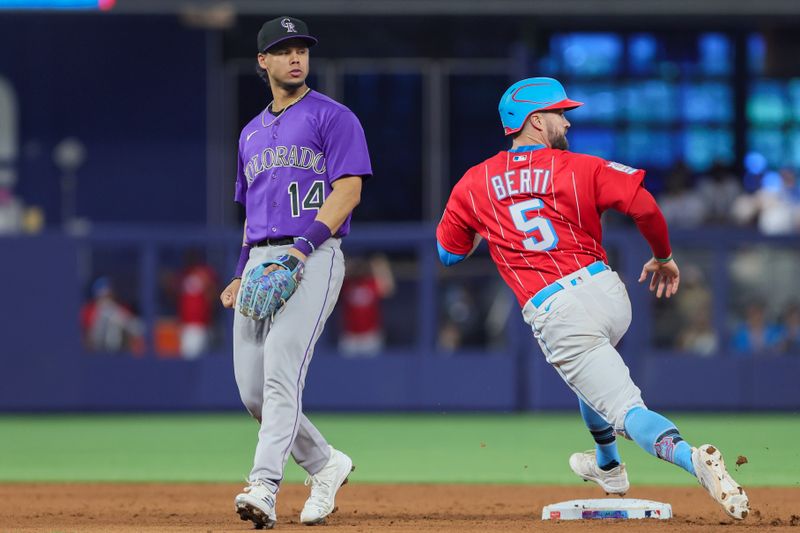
point(271, 360)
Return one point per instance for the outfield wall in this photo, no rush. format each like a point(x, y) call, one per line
point(44, 366)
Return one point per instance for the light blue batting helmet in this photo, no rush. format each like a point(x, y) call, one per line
point(528, 96)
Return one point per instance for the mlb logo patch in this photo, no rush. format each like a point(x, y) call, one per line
point(518, 158)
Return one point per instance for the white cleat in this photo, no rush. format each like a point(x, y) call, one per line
point(257, 504)
point(711, 472)
point(614, 481)
point(324, 486)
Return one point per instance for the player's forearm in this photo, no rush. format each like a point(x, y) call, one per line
point(334, 211)
point(345, 196)
point(476, 241)
point(449, 258)
point(651, 223)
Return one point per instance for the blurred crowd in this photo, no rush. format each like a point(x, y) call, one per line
point(765, 198)
point(368, 281)
point(760, 333)
point(474, 309)
point(188, 320)
point(751, 326)
point(109, 325)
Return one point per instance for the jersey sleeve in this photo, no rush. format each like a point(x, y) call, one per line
point(455, 233)
point(240, 195)
point(651, 223)
point(615, 185)
point(345, 147)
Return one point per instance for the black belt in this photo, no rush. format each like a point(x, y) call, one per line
point(274, 242)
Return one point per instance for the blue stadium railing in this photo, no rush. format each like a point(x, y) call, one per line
point(44, 367)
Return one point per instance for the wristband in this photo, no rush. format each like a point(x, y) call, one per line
point(667, 260)
point(303, 245)
point(316, 234)
point(244, 255)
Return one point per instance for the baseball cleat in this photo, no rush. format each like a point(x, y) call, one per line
point(614, 481)
point(257, 504)
point(712, 475)
point(324, 486)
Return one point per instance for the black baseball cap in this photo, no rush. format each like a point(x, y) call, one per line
point(282, 29)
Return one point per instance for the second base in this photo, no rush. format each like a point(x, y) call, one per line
point(614, 508)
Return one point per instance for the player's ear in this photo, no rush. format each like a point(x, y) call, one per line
point(536, 121)
point(262, 61)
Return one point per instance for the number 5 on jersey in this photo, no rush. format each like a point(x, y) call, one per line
point(542, 235)
point(313, 199)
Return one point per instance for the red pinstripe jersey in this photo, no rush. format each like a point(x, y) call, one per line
point(539, 212)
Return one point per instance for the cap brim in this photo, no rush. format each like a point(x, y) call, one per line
point(311, 41)
point(565, 104)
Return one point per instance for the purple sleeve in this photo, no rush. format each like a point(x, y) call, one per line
point(241, 182)
point(345, 147)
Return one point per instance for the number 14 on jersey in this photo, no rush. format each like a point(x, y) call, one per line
point(312, 201)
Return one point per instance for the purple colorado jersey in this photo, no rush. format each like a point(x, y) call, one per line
point(287, 166)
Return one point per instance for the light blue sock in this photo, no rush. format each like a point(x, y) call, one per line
point(658, 436)
point(603, 433)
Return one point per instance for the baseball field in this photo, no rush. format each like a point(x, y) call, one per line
point(414, 472)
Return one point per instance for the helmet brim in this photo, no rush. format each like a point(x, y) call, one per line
point(565, 104)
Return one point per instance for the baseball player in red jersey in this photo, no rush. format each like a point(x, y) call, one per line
point(538, 206)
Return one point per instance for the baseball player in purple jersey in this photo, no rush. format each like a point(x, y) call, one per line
point(301, 166)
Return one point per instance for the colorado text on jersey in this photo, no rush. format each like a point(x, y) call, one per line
point(285, 156)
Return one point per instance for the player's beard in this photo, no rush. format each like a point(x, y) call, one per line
point(559, 141)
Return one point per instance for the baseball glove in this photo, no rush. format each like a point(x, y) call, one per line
point(263, 294)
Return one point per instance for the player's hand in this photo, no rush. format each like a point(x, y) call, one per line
point(228, 296)
point(292, 251)
point(266, 289)
point(666, 277)
point(298, 254)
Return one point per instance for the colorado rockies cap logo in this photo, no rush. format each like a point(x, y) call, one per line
point(289, 25)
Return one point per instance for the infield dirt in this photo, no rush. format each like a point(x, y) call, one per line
point(113, 508)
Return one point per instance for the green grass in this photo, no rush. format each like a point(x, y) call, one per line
point(429, 448)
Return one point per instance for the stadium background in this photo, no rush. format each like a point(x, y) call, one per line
point(118, 131)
